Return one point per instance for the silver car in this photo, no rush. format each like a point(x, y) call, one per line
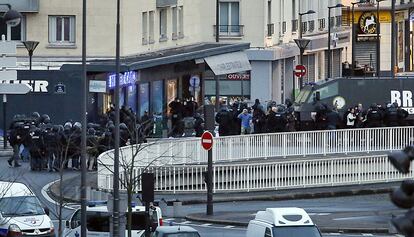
point(175, 231)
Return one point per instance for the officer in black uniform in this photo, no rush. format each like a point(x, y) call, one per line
point(374, 117)
point(280, 119)
point(36, 148)
point(391, 116)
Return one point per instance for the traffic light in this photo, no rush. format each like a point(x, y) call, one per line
point(403, 197)
point(401, 160)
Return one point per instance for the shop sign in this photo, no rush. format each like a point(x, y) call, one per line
point(60, 88)
point(96, 86)
point(238, 76)
point(128, 78)
point(368, 23)
point(38, 86)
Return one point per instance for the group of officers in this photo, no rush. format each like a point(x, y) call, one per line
point(55, 147)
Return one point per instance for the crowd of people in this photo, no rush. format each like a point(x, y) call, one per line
point(54, 147)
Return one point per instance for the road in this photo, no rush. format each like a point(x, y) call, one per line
point(355, 206)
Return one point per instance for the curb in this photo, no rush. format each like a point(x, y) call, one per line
point(322, 229)
point(326, 194)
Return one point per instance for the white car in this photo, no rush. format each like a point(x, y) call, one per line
point(282, 222)
point(175, 231)
point(21, 212)
point(98, 221)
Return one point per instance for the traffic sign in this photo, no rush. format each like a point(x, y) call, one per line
point(14, 89)
point(195, 81)
point(207, 140)
point(300, 71)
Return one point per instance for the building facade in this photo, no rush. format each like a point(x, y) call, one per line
point(147, 27)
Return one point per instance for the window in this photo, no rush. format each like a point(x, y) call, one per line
point(283, 27)
point(294, 25)
point(268, 233)
point(17, 33)
point(181, 22)
point(76, 220)
point(229, 18)
point(338, 21)
point(174, 23)
point(62, 29)
point(321, 24)
point(311, 26)
point(163, 25)
point(304, 27)
point(151, 27)
point(145, 28)
point(332, 21)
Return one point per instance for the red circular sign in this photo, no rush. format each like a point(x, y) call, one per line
point(207, 140)
point(300, 71)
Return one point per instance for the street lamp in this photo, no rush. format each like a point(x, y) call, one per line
point(12, 19)
point(329, 37)
point(378, 68)
point(302, 44)
point(30, 46)
point(353, 35)
point(393, 39)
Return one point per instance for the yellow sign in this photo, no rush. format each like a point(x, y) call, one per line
point(384, 16)
point(368, 23)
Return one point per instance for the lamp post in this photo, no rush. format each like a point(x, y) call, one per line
point(12, 19)
point(353, 36)
point(378, 68)
point(393, 39)
point(217, 41)
point(30, 46)
point(302, 44)
point(329, 37)
point(116, 209)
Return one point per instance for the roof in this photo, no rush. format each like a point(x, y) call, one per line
point(175, 229)
point(291, 216)
point(161, 57)
point(14, 189)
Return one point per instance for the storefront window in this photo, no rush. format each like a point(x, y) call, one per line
point(143, 98)
point(171, 91)
point(157, 97)
point(132, 97)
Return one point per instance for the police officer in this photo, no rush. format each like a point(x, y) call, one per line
point(123, 134)
point(402, 115)
point(16, 138)
point(198, 125)
point(391, 115)
point(50, 139)
point(224, 118)
point(36, 148)
point(92, 148)
point(280, 119)
point(374, 117)
point(271, 120)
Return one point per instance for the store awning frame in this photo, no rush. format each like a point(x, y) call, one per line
point(229, 63)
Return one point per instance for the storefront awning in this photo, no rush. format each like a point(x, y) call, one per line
point(228, 63)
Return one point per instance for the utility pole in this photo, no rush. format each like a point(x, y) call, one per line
point(393, 39)
point(84, 122)
point(217, 41)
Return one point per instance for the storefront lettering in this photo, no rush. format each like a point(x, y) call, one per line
point(128, 78)
point(38, 86)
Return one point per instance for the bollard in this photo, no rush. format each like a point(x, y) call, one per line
point(178, 210)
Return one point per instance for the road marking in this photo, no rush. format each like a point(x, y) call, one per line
point(170, 219)
point(185, 222)
point(229, 227)
point(206, 224)
point(49, 199)
point(334, 233)
point(319, 214)
point(367, 234)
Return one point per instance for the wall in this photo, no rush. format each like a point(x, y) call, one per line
point(262, 87)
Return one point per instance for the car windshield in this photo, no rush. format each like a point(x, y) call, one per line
point(296, 231)
point(20, 206)
point(183, 234)
point(138, 220)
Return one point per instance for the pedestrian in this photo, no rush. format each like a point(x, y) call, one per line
point(351, 118)
point(245, 118)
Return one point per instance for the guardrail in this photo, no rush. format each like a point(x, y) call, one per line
point(262, 146)
point(266, 176)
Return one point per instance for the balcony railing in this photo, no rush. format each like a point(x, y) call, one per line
point(230, 30)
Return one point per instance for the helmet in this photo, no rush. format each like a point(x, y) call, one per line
point(123, 126)
point(35, 115)
point(68, 125)
point(77, 125)
point(45, 118)
point(91, 131)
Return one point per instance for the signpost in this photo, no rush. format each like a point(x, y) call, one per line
point(300, 71)
point(207, 143)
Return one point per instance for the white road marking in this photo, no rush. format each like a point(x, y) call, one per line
point(49, 199)
point(229, 227)
point(367, 234)
point(319, 214)
point(185, 222)
point(170, 219)
point(206, 224)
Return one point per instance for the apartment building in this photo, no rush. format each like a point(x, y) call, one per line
point(164, 27)
point(365, 20)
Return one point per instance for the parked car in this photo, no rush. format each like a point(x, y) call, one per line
point(282, 222)
point(21, 213)
point(175, 231)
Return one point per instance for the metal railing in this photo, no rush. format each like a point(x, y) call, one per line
point(267, 176)
point(264, 146)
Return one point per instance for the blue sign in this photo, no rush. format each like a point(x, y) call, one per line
point(126, 79)
point(60, 89)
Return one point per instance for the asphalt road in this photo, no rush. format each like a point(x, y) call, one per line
point(354, 204)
